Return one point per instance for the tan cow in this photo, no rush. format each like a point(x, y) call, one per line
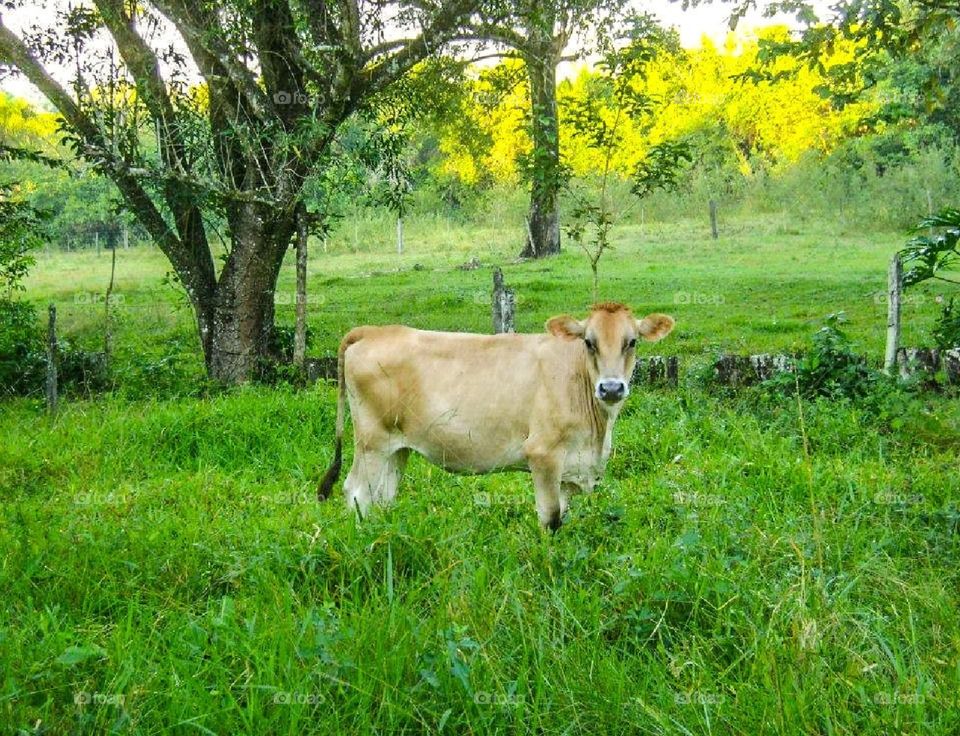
point(481, 403)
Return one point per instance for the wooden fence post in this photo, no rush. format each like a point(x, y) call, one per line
point(657, 370)
point(108, 298)
point(951, 364)
point(894, 285)
point(504, 303)
point(52, 360)
point(300, 326)
point(713, 219)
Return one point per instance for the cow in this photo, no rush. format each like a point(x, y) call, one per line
point(544, 403)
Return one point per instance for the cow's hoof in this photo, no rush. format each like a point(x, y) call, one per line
point(554, 523)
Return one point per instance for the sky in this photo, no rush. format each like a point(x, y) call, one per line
point(709, 20)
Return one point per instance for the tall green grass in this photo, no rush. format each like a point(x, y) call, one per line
point(743, 569)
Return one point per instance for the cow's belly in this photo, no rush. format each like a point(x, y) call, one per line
point(466, 441)
point(463, 453)
point(462, 458)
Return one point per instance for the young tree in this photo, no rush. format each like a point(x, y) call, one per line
point(541, 32)
point(598, 120)
point(279, 77)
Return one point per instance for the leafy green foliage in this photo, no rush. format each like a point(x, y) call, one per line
point(831, 367)
point(22, 360)
point(930, 256)
point(21, 232)
point(661, 168)
point(386, 156)
point(901, 56)
point(946, 330)
point(21, 357)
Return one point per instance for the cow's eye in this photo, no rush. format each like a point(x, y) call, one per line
point(591, 345)
point(631, 344)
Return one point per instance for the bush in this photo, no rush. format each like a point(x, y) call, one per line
point(929, 257)
point(946, 332)
point(22, 360)
point(23, 357)
point(80, 371)
point(831, 368)
point(279, 368)
point(862, 184)
point(171, 369)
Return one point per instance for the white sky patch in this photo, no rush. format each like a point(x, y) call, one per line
point(709, 21)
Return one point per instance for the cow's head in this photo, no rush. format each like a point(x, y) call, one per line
point(609, 336)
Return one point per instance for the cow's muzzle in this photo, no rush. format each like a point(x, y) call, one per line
point(611, 390)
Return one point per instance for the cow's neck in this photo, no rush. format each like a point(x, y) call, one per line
point(601, 417)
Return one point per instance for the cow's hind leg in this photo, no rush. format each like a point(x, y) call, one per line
point(392, 473)
point(374, 477)
point(362, 484)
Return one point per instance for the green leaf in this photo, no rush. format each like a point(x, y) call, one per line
point(75, 655)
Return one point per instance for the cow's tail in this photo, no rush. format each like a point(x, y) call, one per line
point(333, 472)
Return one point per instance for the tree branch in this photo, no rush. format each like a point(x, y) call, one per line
point(350, 12)
point(199, 32)
point(386, 47)
point(497, 34)
point(15, 51)
point(443, 29)
point(281, 60)
point(145, 69)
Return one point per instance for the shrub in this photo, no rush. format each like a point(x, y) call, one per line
point(80, 371)
point(831, 367)
point(22, 360)
point(946, 332)
point(23, 357)
point(930, 257)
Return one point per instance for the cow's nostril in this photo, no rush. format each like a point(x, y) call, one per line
point(612, 390)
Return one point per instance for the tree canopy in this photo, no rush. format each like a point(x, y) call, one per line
point(279, 77)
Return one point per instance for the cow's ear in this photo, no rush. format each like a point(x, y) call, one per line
point(655, 327)
point(565, 326)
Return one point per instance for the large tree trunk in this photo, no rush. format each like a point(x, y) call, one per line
point(243, 308)
point(543, 219)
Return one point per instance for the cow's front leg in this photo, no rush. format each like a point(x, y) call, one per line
point(546, 468)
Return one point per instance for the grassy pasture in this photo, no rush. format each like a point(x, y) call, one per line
point(762, 287)
point(750, 564)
